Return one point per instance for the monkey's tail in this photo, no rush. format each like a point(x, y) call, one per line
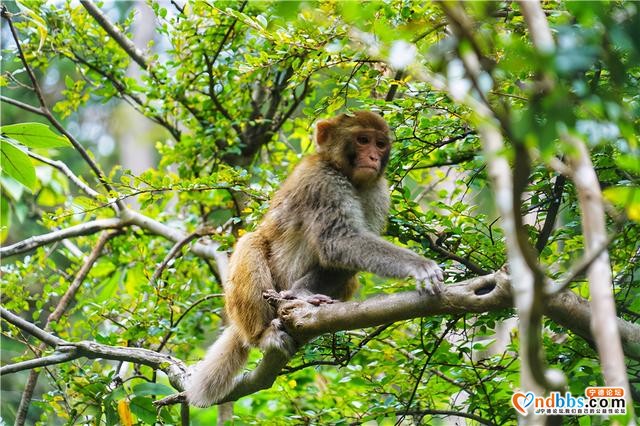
point(214, 377)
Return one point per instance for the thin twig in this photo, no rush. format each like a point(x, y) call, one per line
point(22, 105)
point(67, 172)
point(58, 357)
point(175, 250)
point(61, 307)
point(579, 268)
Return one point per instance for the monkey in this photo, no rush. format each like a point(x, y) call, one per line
point(322, 227)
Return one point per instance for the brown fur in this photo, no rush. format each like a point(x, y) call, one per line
point(323, 227)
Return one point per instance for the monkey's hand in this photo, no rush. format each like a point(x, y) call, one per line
point(429, 277)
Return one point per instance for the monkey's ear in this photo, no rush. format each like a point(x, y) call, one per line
point(323, 130)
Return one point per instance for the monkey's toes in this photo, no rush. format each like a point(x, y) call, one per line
point(319, 299)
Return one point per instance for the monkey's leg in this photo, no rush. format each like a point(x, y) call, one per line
point(249, 278)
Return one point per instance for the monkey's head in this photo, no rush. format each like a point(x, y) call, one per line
point(357, 144)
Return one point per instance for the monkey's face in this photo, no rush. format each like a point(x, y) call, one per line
point(356, 144)
point(368, 154)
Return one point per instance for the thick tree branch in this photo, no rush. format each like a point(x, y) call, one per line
point(305, 321)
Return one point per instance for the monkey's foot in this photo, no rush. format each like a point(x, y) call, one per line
point(275, 337)
point(314, 299)
point(273, 297)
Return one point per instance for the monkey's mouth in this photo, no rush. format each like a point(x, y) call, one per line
point(374, 168)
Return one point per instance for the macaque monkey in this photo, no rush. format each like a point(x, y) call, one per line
point(323, 226)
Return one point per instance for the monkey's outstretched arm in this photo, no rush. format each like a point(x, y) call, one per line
point(368, 252)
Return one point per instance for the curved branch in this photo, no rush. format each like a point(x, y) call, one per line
point(174, 368)
point(30, 328)
point(305, 321)
point(73, 231)
point(61, 355)
point(67, 172)
point(482, 294)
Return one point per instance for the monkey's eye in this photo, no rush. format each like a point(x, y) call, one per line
point(381, 144)
point(362, 140)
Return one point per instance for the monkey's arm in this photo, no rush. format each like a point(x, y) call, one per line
point(345, 246)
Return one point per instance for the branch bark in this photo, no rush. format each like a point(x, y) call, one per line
point(172, 367)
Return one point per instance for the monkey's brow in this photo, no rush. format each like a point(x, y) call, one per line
point(369, 131)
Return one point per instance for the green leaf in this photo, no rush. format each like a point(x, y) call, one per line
point(143, 408)
point(34, 135)
point(17, 164)
point(145, 389)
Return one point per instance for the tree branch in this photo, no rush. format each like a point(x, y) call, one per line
point(172, 367)
point(60, 309)
point(23, 106)
point(67, 172)
point(579, 267)
point(552, 212)
point(63, 354)
point(30, 328)
point(305, 321)
point(175, 250)
point(73, 231)
point(603, 325)
point(122, 40)
point(134, 53)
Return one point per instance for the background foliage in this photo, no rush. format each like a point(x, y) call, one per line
point(233, 89)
